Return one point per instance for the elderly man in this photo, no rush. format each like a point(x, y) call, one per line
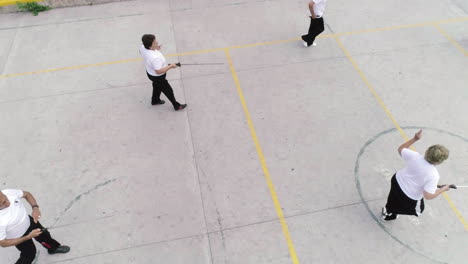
point(17, 228)
point(416, 180)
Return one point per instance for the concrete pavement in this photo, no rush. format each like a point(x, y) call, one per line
point(283, 155)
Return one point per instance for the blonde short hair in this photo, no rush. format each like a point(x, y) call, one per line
point(436, 154)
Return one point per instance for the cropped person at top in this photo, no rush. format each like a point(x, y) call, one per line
point(317, 25)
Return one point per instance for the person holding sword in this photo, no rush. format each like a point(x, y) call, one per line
point(17, 228)
point(156, 69)
point(416, 181)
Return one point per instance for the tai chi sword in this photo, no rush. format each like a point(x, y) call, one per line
point(180, 64)
point(453, 186)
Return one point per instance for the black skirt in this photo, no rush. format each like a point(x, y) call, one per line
point(399, 203)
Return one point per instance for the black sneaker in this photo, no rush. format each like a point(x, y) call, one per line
point(158, 102)
point(182, 106)
point(60, 249)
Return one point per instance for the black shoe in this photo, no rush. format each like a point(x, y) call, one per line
point(60, 249)
point(158, 102)
point(182, 106)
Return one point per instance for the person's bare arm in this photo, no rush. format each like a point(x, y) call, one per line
point(430, 196)
point(17, 241)
point(311, 8)
point(410, 142)
point(36, 213)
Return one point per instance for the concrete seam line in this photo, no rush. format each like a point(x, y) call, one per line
point(271, 188)
point(242, 46)
point(395, 123)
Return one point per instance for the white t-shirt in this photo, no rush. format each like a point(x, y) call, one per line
point(319, 7)
point(14, 220)
point(154, 60)
point(417, 176)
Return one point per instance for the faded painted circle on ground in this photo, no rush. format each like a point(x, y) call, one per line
point(364, 188)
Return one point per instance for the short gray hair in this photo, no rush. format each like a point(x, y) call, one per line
point(436, 154)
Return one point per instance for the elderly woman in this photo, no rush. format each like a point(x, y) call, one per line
point(156, 69)
point(317, 26)
point(417, 180)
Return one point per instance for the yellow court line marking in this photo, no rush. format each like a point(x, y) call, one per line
point(68, 68)
point(263, 43)
point(454, 208)
point(454, 42)
point(274, 197)
point(233, 47)
point(363, 77)
point(244, 46)
point(403, 26)
point(13, 2)
point(389, 114)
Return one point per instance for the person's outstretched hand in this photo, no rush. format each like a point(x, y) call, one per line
point(418, 135)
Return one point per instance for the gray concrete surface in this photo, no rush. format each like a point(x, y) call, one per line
point(122, 181)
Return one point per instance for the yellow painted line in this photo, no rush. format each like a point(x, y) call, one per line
point(68, 68)
point(236, 47)
point(389, 114)
point(454, 42)
point(377, 97)
point(195, 52)
point(452, 205)
point(274, 197)
point(403, 26)
point(246, 46)
point(263, 43)
point(13, 2)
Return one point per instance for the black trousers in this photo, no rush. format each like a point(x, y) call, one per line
point(160, 84)
point(399, 203)
point(28, 249)
point(316, 27)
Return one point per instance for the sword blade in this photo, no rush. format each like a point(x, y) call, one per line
point(215, 63)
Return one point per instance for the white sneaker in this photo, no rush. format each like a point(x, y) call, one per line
point(305, 44)
point(385, 214)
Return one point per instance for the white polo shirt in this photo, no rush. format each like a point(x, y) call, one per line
point(417, 176)
point(154, 60)
point(319, 7)
point(14, 220)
